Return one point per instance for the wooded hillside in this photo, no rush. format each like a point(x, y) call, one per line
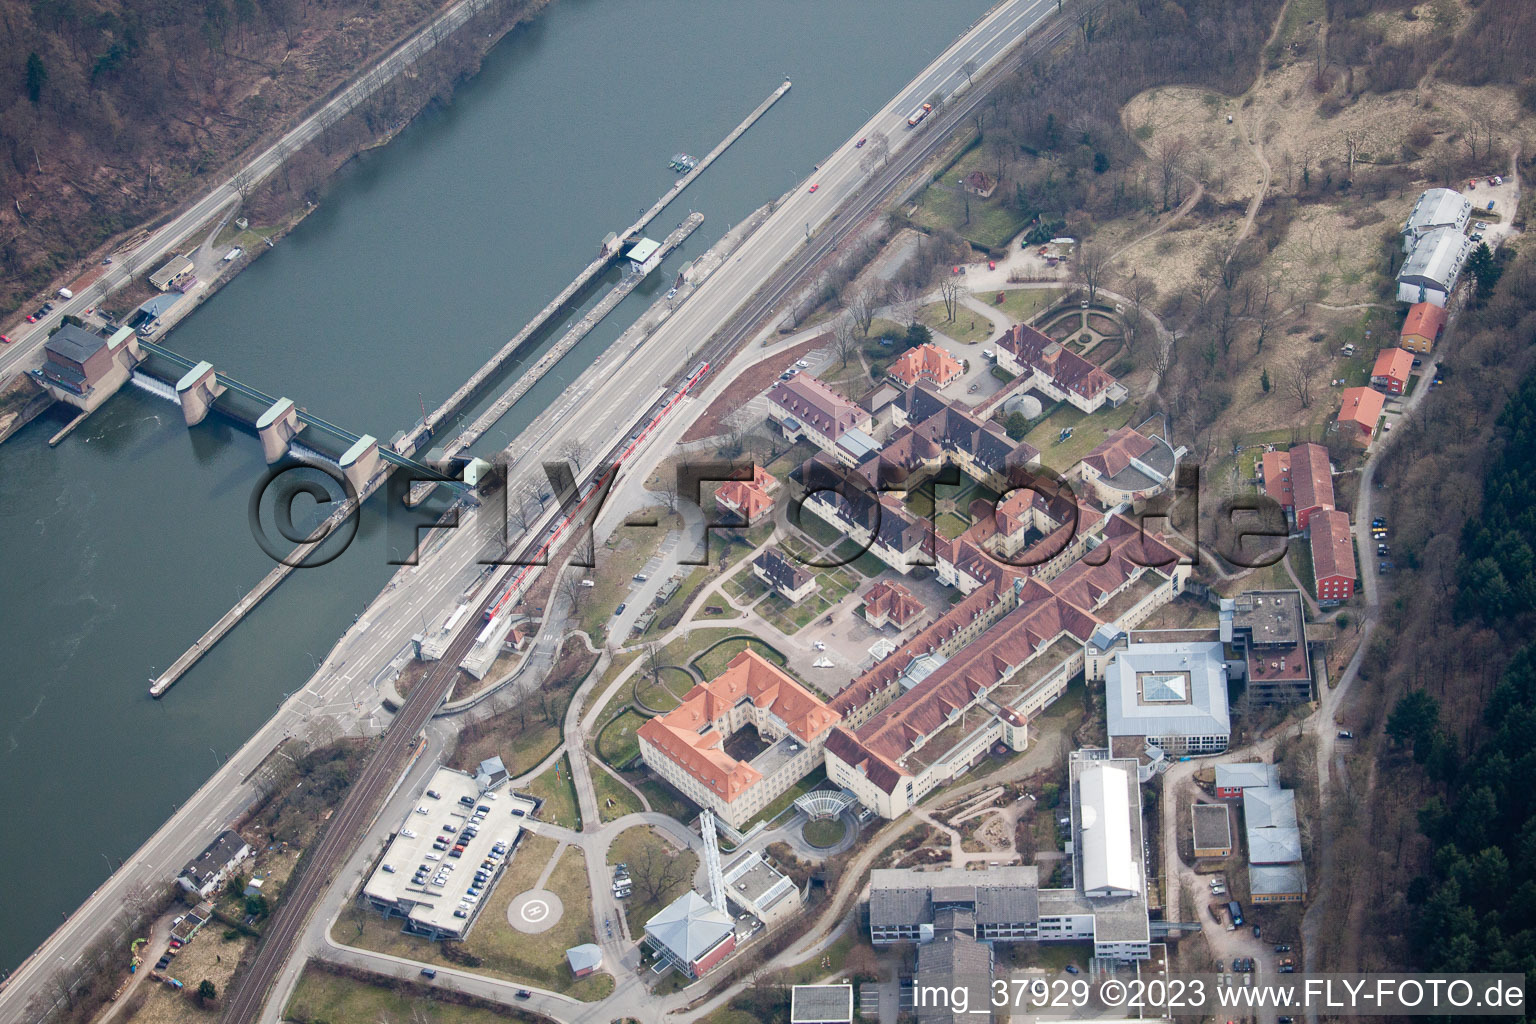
point(115, 110)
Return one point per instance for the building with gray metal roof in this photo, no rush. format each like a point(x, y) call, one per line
point(1173, 695)
point(1429, 273)
point(1436, 208)
point(821, 1004)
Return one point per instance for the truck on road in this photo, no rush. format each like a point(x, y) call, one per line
point(918, 114)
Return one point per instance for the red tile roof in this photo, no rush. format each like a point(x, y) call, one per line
point(1424, 320)
point(926, 362)
point(1277, 478)
point(744, 498)
point(1333, 553)
point(749, 674)
point(1311, 478)
point(1117, 450)
point(892, 600)
point(1362, 407)
point(1393, 364)
point(1069, 370)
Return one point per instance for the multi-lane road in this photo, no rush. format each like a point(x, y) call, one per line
point(598, 411)
point(27, 347)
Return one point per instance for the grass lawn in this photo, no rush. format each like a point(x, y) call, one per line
point(615, 668)
point(616, 744)
point(671, 613)
point(1300, 554)
point(788, 618)
point(558, 792)
point(1087, 433)
point(1021, 304)
point(503, 951)
point(663, 798)
point(644, 850)
point(818, 529)
point(826, 832)
point(799, 789)
point(869, 564)
point(321, 995)
point(666, 694)
point(967, 326)
point(824, 964)
point(950, 525)
point(614, 799)
point(991, 225)
point(713, 663)
point(744, 587)
point(627, 549)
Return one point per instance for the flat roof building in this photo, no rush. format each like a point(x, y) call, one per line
point(1232, 779)
point(1173, 695)
point(1436, 209)
point(905, 904)
point(411, 880)
point(1268, 635)
point(821, 1004)
point(1212, 829)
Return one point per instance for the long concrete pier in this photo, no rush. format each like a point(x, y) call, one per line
point(413, 439)
point(230, 619)
point(579, 330)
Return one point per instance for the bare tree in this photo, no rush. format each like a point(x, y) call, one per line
point(862, 310)
point(575, 450)
point(1170, 166)
point(845, 337)
point(653, 665)
point(949, 293)
point(1261, 305)
point(879, 146)
point(1141, 291)
point(666, 486)
point(1300, 375)
point(572, 590)
point(969, 69)
point(655, 872)
point(905, 302)
point(1089, 268)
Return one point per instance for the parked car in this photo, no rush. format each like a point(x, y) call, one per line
point(1282, 949)
point(1072, 969)
point(1345, 734)
point(641, 577)
point(1255, 934)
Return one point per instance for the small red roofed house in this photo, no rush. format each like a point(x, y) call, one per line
point(891, 603)
point(688, 746)
point(1333, 557)
point(980, 183)
point(1422, 327)
point(926, 362)
point(748, 500)
point(1359, 413)
point(1391, 370)
point(1277, 479)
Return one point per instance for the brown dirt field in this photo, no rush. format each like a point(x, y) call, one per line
point(206, 956)
point(752, 381)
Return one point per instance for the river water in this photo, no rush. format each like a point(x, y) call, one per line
point(122, 545)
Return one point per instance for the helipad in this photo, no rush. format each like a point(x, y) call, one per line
point(534, 911)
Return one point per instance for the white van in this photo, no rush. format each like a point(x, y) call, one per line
point(65, 293)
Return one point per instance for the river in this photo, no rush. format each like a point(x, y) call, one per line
point(123, 544)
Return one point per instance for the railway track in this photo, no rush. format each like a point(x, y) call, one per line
point(346, 829)
point(381, 768)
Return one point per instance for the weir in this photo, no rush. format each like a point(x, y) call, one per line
point(279, 426)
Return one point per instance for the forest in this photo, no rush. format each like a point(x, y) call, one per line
point(116, 111)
